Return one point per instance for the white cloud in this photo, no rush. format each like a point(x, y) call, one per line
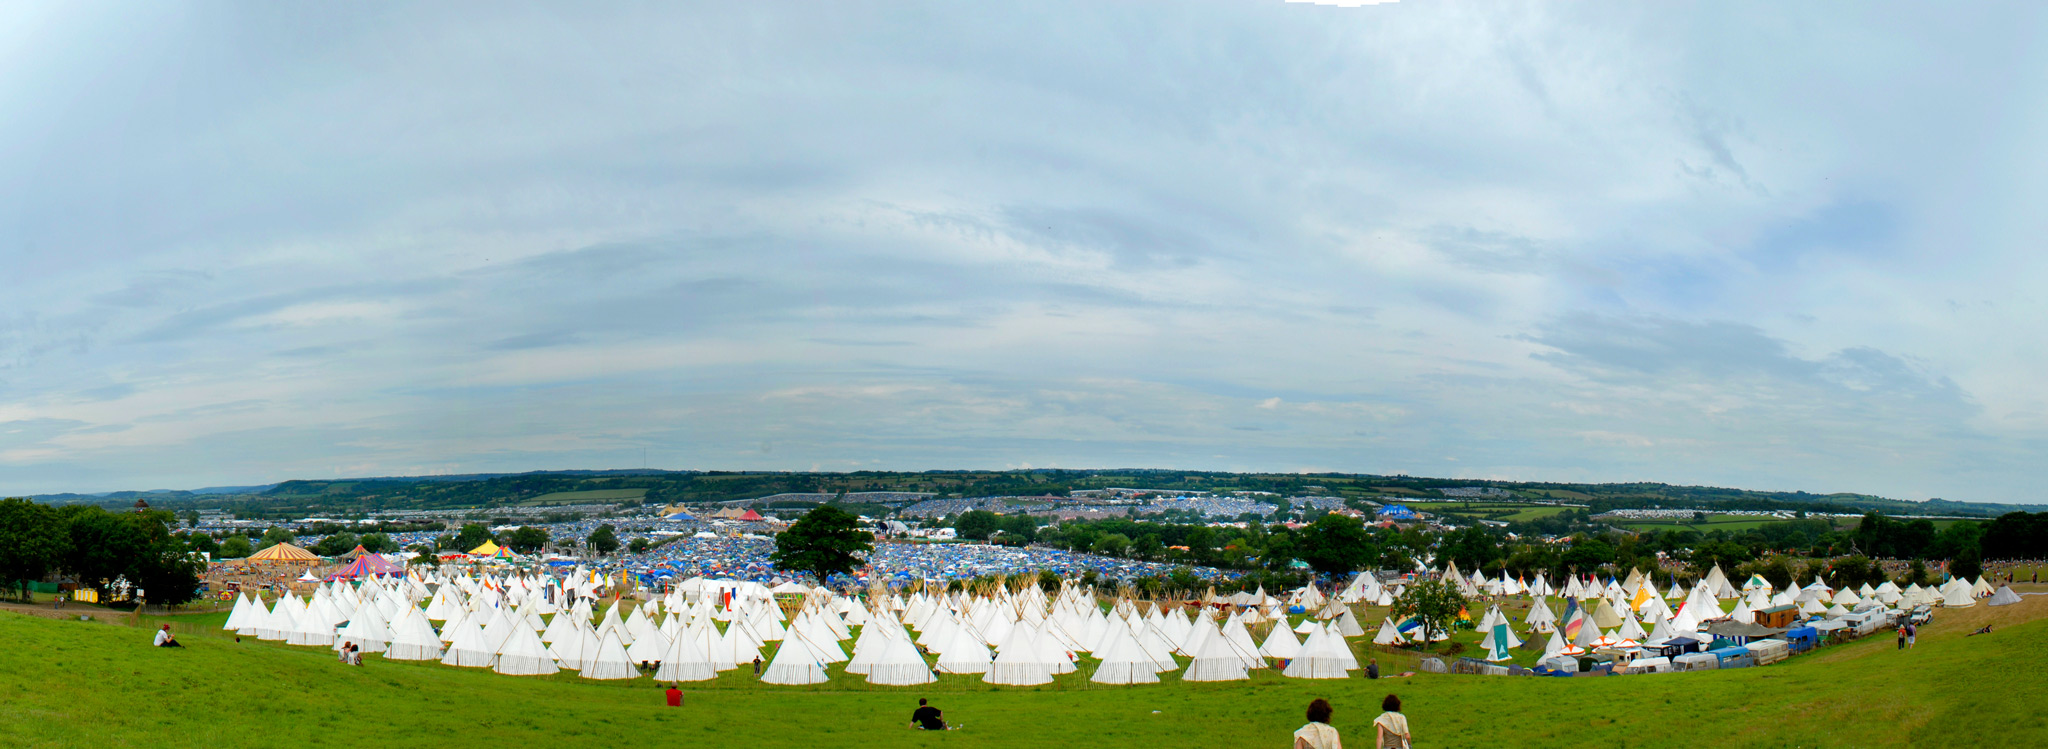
point(1578, 242)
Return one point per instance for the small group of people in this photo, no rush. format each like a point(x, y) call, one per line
point(1390, 730)
point(350, 654)
point(1908, 634)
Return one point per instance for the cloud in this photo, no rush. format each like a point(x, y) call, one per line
point(1578, 242)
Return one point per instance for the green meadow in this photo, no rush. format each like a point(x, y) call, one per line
point(92, 684)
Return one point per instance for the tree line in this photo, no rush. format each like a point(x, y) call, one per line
point(98, 548)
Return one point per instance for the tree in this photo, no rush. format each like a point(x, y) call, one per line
point(274, 535)
point(1337, 544)
point(32, 542)
point(377, 543)
point(1434, 603)
point(638, 545)
point(471, 536)
point(1588, 554)
point(335, 545)
point(527, 539)
point(605, 539)
point(191, 518)
point(236, 547)
point(824, 541)
point(1112, 545)
point(137, 547)
point(976, 524)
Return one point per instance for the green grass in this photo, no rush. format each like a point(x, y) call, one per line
point(67, 683)
point(594, 496)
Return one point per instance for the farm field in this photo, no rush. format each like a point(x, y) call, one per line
point(594, 496)
point(69, 683)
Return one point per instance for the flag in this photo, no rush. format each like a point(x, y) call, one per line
point(1574, 620)
point(1641, 596)
point(1500, 642)
point(1409, 623)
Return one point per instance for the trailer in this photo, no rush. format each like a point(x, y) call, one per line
point(1769, 651)
point(1733, 657)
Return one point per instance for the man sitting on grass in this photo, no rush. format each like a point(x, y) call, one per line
point(164, 638)
point(926, 717)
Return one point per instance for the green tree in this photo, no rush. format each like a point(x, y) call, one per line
point(33, 542)
point(335, 545)
point(1337, 544)
point(976, 524)
point(236, 547)
point(1112, 545)
point(605, 539)
point(377, 543)
point(638, 545)
point(1435, 603)
point(1587, 555)
point(527, 539)
point(274, 535)
point(471, 536)
point(824, 541)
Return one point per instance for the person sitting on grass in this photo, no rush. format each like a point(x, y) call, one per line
point(1985, 631)
point(926, 717)
point(164, 638)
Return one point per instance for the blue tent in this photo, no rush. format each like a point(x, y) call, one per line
point(1396, 512)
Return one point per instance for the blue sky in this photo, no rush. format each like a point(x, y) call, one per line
point(1749, 244)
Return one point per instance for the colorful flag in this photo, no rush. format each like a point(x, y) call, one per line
point(1409, 623)
point(1574, 619)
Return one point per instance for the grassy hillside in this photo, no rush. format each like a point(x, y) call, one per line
point(68, 683)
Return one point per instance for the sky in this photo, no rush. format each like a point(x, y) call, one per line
point(1762, 245)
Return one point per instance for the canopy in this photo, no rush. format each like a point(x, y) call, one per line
point(283, 551)
point(366, 565)
point(487, 549)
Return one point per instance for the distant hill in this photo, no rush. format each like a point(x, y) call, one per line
point(660, 487)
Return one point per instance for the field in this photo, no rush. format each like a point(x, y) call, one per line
point(1498, 510)
point(69, 683)
point(595, 496)
point(1715, 521)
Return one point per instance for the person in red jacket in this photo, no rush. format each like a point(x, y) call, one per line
point(675, 696)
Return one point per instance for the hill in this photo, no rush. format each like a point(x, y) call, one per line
point(69, 683)
point(483, 491)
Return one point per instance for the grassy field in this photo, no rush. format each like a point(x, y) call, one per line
point(595, 496)
point(69, 683)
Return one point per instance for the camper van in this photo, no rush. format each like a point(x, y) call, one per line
point(1766, 652)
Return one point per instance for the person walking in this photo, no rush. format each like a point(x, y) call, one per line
point(1912, 634)
point(757, 665)
point(1317, 733)
point(1390, 730)
point(1902, 635)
